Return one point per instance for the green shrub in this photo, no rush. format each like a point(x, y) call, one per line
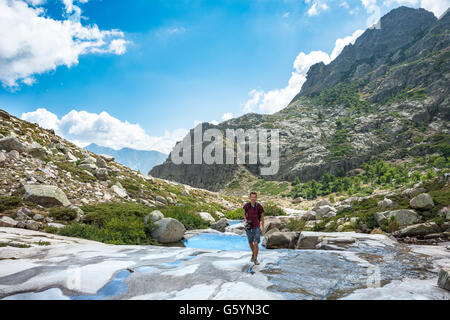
point(62, 213)
point(393, 225)
point(295, 225)
point(271, 209)
point(236, 214)
point(122, 231)
point(9, 202)
point(186, 216)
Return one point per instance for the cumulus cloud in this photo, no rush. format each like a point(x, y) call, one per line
point(227, 116)
point(317, 7)
point(33, 43)
point(276, 99)
point(83, 128)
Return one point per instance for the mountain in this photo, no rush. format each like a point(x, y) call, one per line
point(384, 97)
point(140, 160)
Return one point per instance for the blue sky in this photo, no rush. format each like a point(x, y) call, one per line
point(173, 63)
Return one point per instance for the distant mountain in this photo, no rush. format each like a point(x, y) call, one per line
point(140, 160)
point(387, 97)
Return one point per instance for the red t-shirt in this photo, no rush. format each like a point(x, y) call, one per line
point(252, 214)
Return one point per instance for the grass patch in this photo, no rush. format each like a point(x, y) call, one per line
point(62, 213)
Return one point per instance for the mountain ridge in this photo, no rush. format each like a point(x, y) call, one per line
point(392, 105)
point(142, 160)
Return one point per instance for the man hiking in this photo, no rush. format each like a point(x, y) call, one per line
point(254, 223)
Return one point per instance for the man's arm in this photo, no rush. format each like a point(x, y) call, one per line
point(262, 223)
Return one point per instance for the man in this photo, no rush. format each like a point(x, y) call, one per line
point(254, 223)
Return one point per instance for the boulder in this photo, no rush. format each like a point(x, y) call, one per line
point(2, 157)
point(88, 167)
point(422, 201)
point(119, 190)
point(220, 214)
point(33, 225)
point(271, 231)
point(155, 215)
point(45, 195)
point(38, 217)
point(12, 143)
point(220, 225)
point(280, 240)
point(168, 230)
point(7, 222)
point(412, 192)
point(206, 217)
point(325, 211)
point(23, 214)
point(106, 157)
point(444, 279)
point(309, 215)
point(323, 202)
point(404, 217)
point(101, 163)
point(70, 157)
point(271, 223)
point(161, 199)
point(37, 151)
point(420, 229)
point(55, 225)
point(185, 193)
point(297, 200)
point(307, 241)
point(386, 203)
point(380, 217)
point(101, 174)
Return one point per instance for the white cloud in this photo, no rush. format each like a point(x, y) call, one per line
point(214, 122)
point(438, 7)
point(276, 99)
point(227, 116)
point(83, 128)
point(33, 43)
point(317, 7)
point(344, 4)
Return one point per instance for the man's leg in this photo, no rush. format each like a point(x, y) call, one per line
point(255, 254)
point(251, 247)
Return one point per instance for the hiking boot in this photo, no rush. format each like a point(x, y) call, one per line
point(256, 261)
point(252, 259)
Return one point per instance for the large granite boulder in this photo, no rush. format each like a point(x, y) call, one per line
point(404, 217)
point(206, 217)
point(271, 223)
point(37, 151)
point(7, 222)
point(280, 240)
point(325, 211)
point(168, 230)
point(422, 201)
point(154, 216)
point(45, 195)
point(220, 225)
point(12, 143)
point(420, 229)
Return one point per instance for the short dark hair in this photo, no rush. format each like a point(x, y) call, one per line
point(253, 192)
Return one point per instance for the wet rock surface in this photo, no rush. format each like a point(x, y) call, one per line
point(70, 268)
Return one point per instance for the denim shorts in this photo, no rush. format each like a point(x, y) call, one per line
point(254, 235)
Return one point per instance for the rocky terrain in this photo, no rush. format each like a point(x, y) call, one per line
point(385, 97)
point(46, 182)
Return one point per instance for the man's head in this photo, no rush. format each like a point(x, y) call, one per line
point(253, 196)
